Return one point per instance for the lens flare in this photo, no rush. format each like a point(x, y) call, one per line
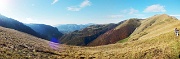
point(4, 3)
point(54, 43)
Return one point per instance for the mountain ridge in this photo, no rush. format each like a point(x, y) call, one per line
point(47, 31)
point(120, 32)
point(14, 24)
point(67, 28)
point(86, 35)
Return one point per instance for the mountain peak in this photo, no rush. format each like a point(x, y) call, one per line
point(163, 17)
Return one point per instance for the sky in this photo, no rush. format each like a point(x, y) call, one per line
point(53, 12)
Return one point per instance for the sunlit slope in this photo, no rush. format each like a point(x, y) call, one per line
point(154, 26)
point(154, 39)
point(164, 46)
point(18, 45)
point(159, 42)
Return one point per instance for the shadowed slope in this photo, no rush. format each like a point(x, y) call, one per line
point(14, 24)
point(48, 32)
point(160, 42)
point(118, 33)
point(83, 37)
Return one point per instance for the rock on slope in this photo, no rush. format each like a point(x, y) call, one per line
point(120, 32)
point(14, 24)
point(83, 37)
point(48, 32)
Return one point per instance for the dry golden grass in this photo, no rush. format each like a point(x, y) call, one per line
point(154, 41)
point(17, 45)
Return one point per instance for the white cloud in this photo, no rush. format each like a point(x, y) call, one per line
point(115, 16)
point(130, 11)
point(155, 8)
point(54, 1)
point(29, 20)
point(175, 15)
point(126, 13)
point(133, 11)
point(73, 8)
point(84, 4)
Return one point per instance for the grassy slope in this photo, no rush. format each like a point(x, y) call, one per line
point(18, 45)
point(158, 42)
point(120, 32)
point(155, 41)
point(155, 26)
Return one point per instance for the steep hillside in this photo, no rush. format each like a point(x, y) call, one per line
point(67, 28)
point(17, 45)
point(159, 42)
point(154, 26)
point(83, 37)
point(122, 31)
point(13, 24)
point(48, 32)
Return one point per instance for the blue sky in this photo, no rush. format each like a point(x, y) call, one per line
point(53, 12)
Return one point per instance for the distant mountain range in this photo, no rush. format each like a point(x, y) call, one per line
point(150, 38)
point(86, 35)
point(16, 25)
point(101, 34)
point(67, 28)
point(47, 31)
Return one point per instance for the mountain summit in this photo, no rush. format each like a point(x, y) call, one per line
point(156, 24)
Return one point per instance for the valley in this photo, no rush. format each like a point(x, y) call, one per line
point(150, 38)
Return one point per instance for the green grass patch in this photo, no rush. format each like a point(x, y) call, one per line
point(123, 40)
